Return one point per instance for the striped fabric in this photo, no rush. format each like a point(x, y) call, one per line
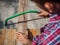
point(51, 34)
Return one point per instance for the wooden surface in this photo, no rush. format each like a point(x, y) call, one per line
point(34, 32)
point(7, 37)
point(21, 8)
point(2, 36)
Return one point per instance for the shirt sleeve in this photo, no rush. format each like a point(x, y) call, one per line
point(35, 40)
point(51, 32)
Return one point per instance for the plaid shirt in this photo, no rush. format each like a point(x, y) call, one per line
point(51, 34)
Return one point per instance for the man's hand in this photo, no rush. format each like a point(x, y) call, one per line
point(43, 13)
point(21, 37)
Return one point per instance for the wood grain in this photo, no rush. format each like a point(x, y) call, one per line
point(7, 37)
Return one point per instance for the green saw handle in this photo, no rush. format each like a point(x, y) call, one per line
point(22, 13)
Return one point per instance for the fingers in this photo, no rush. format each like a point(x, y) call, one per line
point(20, 37)
point(43, 13)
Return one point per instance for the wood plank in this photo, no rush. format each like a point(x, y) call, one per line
point(7, 37)
point(34, 32)
point(20, 18)
point(22, 26)
point(10, 37)
point(2, 36)
point(25, 16)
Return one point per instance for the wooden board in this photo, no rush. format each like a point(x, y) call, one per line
point(2, 36)
point(34, 32)
point(7, 37)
